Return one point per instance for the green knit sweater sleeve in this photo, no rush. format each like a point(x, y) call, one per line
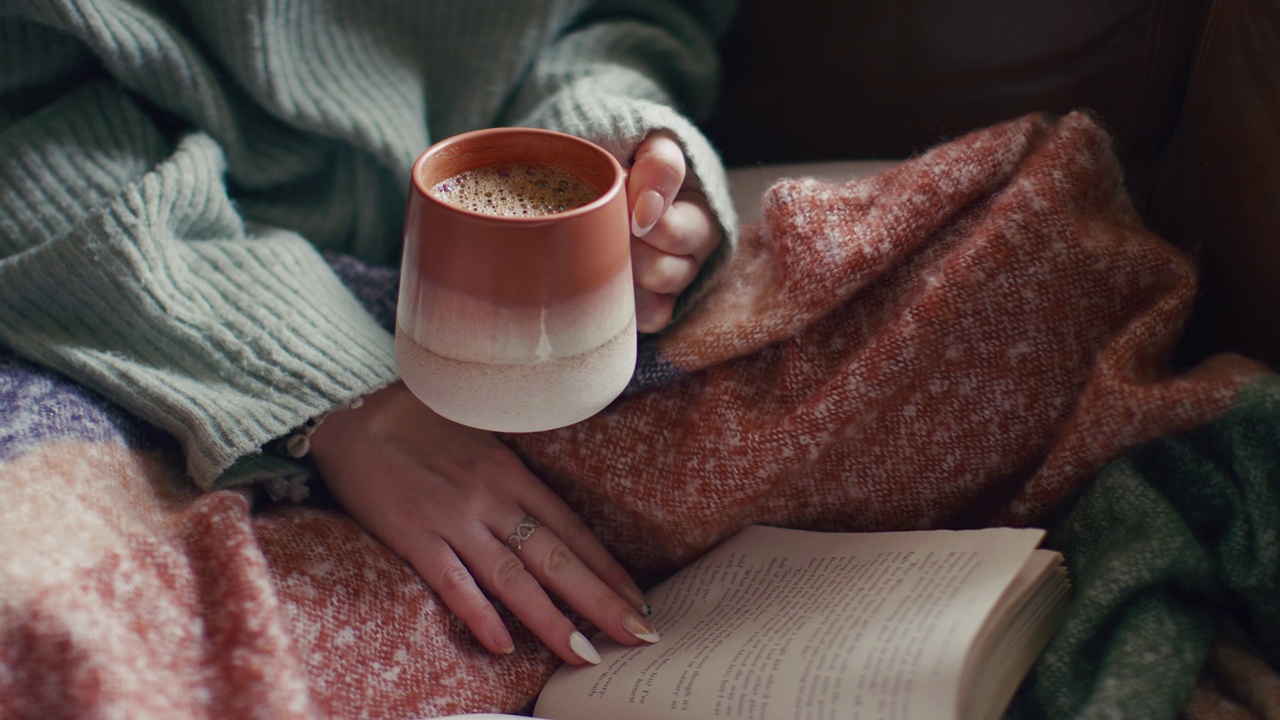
point(172, 173)
point(149, 286)
point(125, 264)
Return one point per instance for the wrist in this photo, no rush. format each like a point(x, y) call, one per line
point(297, 444)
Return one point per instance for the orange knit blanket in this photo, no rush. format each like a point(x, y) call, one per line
point(964, 339)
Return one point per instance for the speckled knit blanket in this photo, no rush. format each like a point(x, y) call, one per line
point(977, 336)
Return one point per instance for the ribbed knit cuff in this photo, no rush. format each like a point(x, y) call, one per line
point(224, 335)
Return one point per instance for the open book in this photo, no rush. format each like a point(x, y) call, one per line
point(793, 624)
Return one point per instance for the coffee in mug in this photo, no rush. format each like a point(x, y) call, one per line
point(516, 190)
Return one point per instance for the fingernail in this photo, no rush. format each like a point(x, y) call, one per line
point(583, 648)
point(640, 629)
point(502, 641)
point(647, 213)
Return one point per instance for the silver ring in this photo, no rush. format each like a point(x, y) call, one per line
point(524, 531)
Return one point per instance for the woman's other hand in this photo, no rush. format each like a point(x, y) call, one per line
point(673, 229)
point(447, 498)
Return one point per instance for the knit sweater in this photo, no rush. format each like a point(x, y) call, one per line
point(171, 175)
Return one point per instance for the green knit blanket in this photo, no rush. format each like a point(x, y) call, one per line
point(1175, 554)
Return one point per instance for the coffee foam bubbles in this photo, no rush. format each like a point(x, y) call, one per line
point(516, 190)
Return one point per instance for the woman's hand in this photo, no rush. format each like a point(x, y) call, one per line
point(673, 229)
point(447, 498)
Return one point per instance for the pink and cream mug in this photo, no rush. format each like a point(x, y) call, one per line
point(516, 309)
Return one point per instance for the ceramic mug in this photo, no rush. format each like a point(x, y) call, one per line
point(516, 323)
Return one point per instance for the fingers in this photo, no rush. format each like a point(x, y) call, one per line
point(570, 529)
point(653, 310)
point(559, 566)
point(446, 497)
point(452, 581)
point(673, 228)
point(689, 228)
point(667, 260)
point(517, 575)
point(523, 563)
point(523, 573)
point(497, 568)
point(657, 174)
point(659, 277)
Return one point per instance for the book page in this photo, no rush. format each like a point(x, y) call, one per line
point(1027, 615)
point(799, 625)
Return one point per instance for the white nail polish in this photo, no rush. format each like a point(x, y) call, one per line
point(583, 648)
point(639, 230)
point(651, 204)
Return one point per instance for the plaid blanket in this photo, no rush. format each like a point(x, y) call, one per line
point(979, 335)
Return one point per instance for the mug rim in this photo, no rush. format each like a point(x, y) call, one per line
point(442, 146)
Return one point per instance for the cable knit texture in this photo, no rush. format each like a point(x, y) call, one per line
point(171, 172)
